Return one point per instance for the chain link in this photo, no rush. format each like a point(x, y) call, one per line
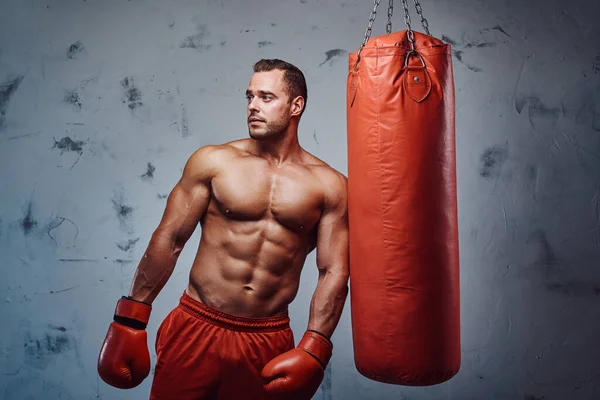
point(423, 20)
point(370, 25)
point(368, 31)
point(388, 28)
point(410, 33)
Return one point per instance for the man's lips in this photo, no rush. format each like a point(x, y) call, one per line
point(255, 120)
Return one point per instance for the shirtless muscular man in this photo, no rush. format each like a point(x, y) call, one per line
point(263, 204)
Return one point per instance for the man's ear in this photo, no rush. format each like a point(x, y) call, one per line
point(297, 106)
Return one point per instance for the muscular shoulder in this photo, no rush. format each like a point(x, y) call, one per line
point(206, 161)
point(333, 183)
point(336, 189)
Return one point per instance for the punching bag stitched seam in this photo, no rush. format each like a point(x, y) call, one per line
point(381, 207)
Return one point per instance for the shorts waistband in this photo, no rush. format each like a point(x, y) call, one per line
point(232, 322)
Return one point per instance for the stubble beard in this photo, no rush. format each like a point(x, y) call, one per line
point(269, 130)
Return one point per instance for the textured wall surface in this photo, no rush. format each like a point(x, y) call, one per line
point(101, 103)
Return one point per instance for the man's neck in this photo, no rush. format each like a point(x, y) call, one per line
point(280, 150)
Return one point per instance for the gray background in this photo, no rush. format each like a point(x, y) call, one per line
point(102, 102)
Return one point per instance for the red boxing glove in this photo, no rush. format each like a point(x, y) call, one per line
point(124, 360)
point(297, 374)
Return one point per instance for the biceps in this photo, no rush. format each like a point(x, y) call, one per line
point(186, 205)
point(332, 245)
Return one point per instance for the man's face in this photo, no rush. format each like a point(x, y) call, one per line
point(268, 105)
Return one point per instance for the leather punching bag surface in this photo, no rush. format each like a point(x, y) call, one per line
point(402, 204)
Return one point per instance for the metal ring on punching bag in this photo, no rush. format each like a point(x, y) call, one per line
point(417, 53)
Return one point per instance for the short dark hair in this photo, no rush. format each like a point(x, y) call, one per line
point(294, 78)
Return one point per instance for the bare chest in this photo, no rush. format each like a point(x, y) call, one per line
point(250, 191)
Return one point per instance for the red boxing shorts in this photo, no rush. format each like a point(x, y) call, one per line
point(206, 354)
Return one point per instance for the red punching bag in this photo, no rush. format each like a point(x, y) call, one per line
point(402, 205)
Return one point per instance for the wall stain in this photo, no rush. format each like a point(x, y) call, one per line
point(495, 28)
point(538, 111)
point(546, 257)
point(39, 351)
point(68, 144)
point(196, 41)
point(122, 261)
point(123, 211)
point(480, 45)
point(596, 64)
point(58, 328)
point(132, 93)
point(149, 175)
point(264, 43)
point(72, 97)
point(331, 55)
point(57, 222)
point(491, 161)
point(128, 245)
point(448, 40)
point(27, 222)
point(458, 54)
point(185, 130)
point(7, 90)
point(74, 49)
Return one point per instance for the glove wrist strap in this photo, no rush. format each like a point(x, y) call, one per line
point(318, 346)
point(132, 313)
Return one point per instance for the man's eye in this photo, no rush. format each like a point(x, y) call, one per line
point(266, 97)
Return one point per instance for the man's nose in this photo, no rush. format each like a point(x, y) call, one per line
point(252, 105)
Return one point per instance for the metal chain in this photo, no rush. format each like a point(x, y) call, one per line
point(368, 31)
point(423, 20)
point(410, 33)
point(388, 28)
point(370, 25)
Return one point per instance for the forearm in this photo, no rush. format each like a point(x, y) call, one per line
point(155, 267)
point(327, 303)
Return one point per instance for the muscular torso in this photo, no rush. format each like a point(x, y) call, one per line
point(260, 225)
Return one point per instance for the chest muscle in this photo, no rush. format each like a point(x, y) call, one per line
point(250, 192)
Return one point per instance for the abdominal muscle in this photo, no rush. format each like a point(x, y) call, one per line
point(247, 268)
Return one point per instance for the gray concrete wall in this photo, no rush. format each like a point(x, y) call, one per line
point(101, 103)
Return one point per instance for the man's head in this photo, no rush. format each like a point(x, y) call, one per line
point(276, 96)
